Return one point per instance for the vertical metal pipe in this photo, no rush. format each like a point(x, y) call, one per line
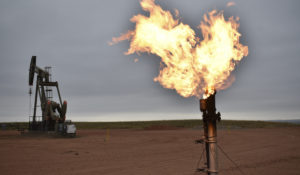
point(205, 128)
point(212, 147)
point(210, 117)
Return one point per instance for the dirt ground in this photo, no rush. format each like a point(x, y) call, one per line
point(273, 151)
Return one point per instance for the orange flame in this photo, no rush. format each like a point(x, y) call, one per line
point(231, 3)
point(191, 66)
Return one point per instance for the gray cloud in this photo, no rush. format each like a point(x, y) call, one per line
point(99, 80)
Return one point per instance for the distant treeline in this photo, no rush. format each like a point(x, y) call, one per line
point(164, 124)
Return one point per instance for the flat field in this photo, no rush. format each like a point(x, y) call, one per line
point(155, 150)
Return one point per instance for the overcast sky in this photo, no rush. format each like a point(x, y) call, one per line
point(100, 83)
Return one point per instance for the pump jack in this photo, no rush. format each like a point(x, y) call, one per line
point(53, 113)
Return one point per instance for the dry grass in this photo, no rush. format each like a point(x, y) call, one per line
point(164, 124)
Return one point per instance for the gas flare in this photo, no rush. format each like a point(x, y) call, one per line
point(191, 66)
point(231, 3)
